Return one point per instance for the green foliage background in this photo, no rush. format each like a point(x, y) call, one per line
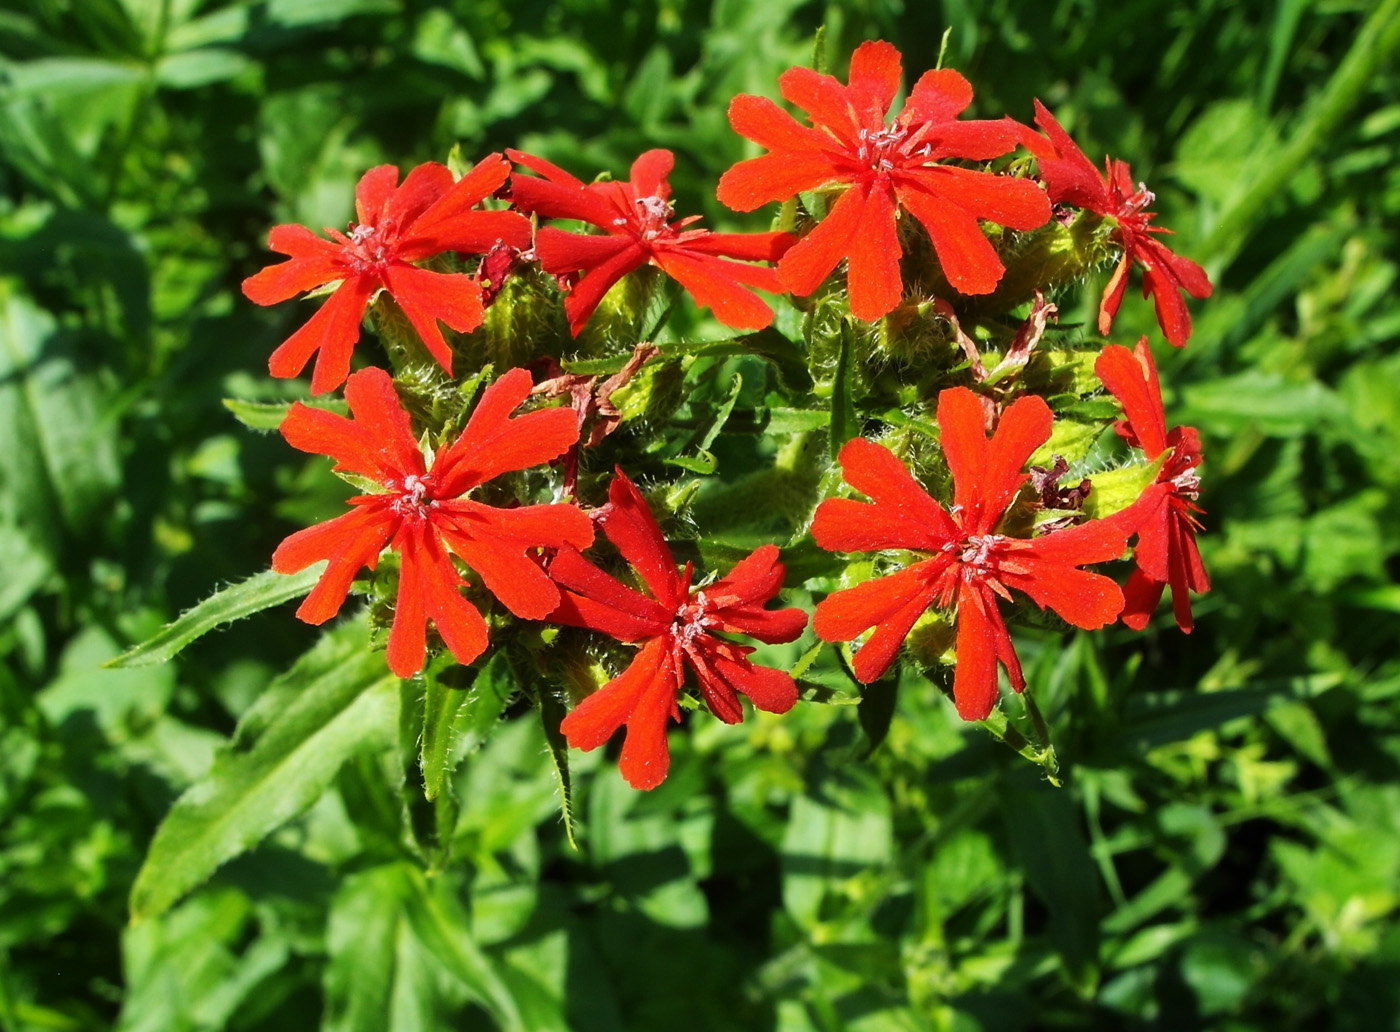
point(1226, 852)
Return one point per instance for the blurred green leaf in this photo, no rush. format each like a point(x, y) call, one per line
point(61, 461)
point(339, 710)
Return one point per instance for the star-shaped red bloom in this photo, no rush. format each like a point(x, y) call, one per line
point(886, 166)
point(677, 627)
point(398, 225)
point(423, 513)
point(969, 563)
point(1071, 178)
point(636, 217)
point(1166, 551)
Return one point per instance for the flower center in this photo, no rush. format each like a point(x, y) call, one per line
point(410, 503)
point(653, 216)
point(1187, 483)
point(880, 147)
point(369, 246)
point(977, 551)
point(691, 619)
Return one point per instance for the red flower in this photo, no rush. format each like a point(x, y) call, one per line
point(422, 513)
point(1166, 551)
point(398, 225)
point(1072, 179)
point(636, 216)
point(969, 564)
point(886, 166)
point(676, 627)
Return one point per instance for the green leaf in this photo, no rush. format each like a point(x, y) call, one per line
point(26, 569)
point(843, 412)
point(836, 831)
point(705, 462)
point(458, 720)
point(259, 592)
point(440, 924)
point(51, 77)
point(1044, 830)
point(256, 786)
point(59, 463)
point(552, 714)
point(194, 68)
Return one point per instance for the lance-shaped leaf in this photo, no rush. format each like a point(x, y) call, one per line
point(345, 703)
point(261, 591)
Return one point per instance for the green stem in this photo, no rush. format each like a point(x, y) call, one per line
point(1377, 40)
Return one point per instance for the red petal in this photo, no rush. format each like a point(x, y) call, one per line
point(382, 426)
point(351, 542)
point(1141, 597)
point(772, 626)
point(428, 587)
point(1024, 427)
point(1069, 176)
point(562, 252)
point(583, 300)
point(332, 331)
point(964, 441)
point(825, 101)
point(1113, 293)
point(645, 758)
point(880, 649)
point(630, 526)
point(544, 168)
point(373, 191)
point(1005, 200)
point(314, 263)
point(812, 258)
point(637, 616)
point(517, 581)
point(772, 691)
point(748, 247)
point(456, 203)
point(492, 443)
point(594, 720)
point(624, 625)
point(1087, 600)
point(969, 262)
point(1131, 377)
point(846, 525)
point(649, 173)
point(979, 140)
point(551, 525)
point(558, 201)
point(755, 578)
point(872, 269)
point(493, 542)
point(472, 232)
point(1163, 279)
point(939, 96)
point(769, 126)
point(1098, 541)
point(847, 614)
point(712, 285)
point(1181, 546)
point(427, 297)
point(422, 188)
point(975, 677)
point(873, 81)
point(776, 177)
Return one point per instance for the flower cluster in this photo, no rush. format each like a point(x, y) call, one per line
point(916, 220)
